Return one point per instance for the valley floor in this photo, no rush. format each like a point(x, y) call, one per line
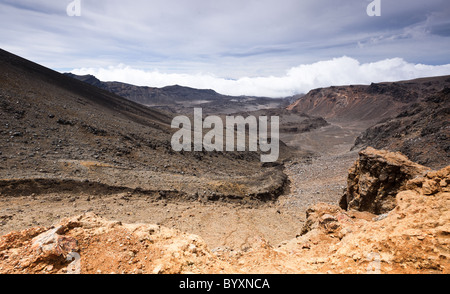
point(313, 180)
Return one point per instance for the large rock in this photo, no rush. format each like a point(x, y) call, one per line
point(52, 243)
point(412, 238)
point(376, 178)
point(89, 244)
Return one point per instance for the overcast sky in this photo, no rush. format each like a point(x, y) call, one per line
point(240, 47)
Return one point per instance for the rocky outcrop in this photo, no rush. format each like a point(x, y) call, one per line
point(411, 238)
point(90, 244)
point(375, 178)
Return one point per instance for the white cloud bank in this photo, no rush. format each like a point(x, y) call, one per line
point(300, 79)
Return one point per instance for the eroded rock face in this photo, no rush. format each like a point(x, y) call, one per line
point(414, 237)
point(376, 178)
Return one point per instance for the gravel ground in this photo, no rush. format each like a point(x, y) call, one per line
point(322, 180)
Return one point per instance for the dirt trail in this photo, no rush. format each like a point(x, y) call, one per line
point(322, 178)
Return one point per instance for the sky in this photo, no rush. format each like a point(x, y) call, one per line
point(273, 48)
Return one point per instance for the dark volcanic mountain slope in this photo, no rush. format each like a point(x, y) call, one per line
point(367, 103)
point(421, 131)
point(55, 127)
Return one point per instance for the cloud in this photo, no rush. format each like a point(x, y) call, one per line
point(251, 47)
point(228, 38)
point(301, 79)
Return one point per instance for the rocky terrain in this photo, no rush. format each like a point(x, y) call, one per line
point(60, 134)
point(68, 147)
point(421, 131)
point(369, 103)
point(413, 237)
point(89, 182)
point(408, 116)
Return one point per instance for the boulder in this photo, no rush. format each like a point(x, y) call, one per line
point(89, 244)
point(51, 243)
point(376, 177)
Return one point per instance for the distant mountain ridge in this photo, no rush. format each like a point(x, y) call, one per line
point(151, 95)
point(178, 98)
